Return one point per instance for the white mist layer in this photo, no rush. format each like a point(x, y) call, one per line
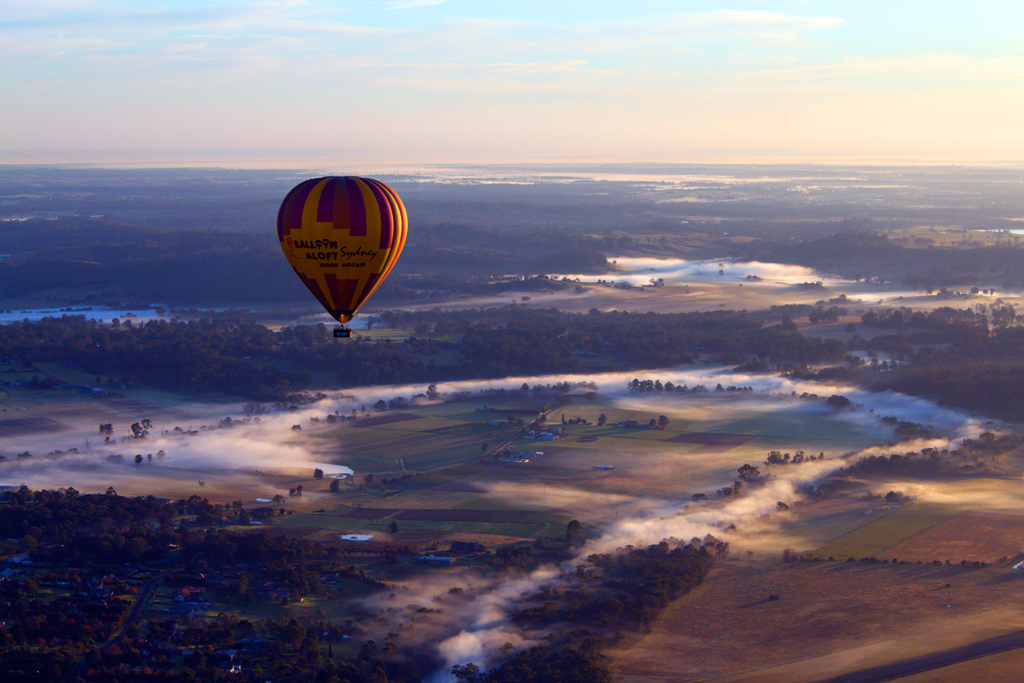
point(764, 398)
point(271, 445)
point(478, 639)
point(639, 271)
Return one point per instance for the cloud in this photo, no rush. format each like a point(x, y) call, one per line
point(412, 4)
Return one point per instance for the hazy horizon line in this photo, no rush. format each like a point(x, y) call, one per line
point(300, 163)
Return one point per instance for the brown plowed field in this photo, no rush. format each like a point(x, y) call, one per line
point(490, 516)
point(983, 536)
point(30, 425)
point(366, 513)
point(728, 625)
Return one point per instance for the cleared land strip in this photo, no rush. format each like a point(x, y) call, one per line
point(428, 515)
point(714, 438)
point(386, 419)
point(30, 425)
point(888, 531)
point(935, 660)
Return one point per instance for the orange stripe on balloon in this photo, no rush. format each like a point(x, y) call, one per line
point(387, 217)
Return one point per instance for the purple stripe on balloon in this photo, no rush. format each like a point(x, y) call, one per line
point(325, 209)
point(347, 294)
point(341, 216)
point(331, 281)
point(283, 225)
point(356, 209)
point(298, 204)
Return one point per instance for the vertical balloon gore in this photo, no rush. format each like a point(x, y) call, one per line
point(342, 236)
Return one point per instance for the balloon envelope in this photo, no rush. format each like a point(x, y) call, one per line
point(342, 235)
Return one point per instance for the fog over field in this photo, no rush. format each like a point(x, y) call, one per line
point(271, 444)
point(639, 271)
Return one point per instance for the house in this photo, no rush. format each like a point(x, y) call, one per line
point(467, 547)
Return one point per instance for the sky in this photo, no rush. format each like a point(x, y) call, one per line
point(406, 82)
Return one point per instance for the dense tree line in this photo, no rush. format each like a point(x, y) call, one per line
point(970, 456)
point(517, 340)
point(959, 360)
point(243, 358)
point(626, 589)
point(42, 636)
point(544, 664)
point(194, 355)
point(849, 251)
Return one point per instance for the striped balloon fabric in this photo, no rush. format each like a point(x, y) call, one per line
point(342, 235)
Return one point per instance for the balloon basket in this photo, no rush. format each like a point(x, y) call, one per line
point(342, 331)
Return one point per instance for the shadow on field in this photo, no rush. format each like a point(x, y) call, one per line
point(757, 602)
point(1008, 577)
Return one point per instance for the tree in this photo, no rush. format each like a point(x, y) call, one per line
point(335, 485)
point(380, 406)
point(838, 402)
point(138, 459)
point(602, 419)
point(572, 530)
point(484, 446)
point(393, 527)
point(466, 673)
point(662, 421)
point(318, 473)
point(749, 472)
point(432, 393)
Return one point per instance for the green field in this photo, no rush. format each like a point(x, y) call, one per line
point(328, 522)
point(887, 531)
point(432, 458)
point(541, 524)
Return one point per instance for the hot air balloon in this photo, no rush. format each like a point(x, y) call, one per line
point(342, 236)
